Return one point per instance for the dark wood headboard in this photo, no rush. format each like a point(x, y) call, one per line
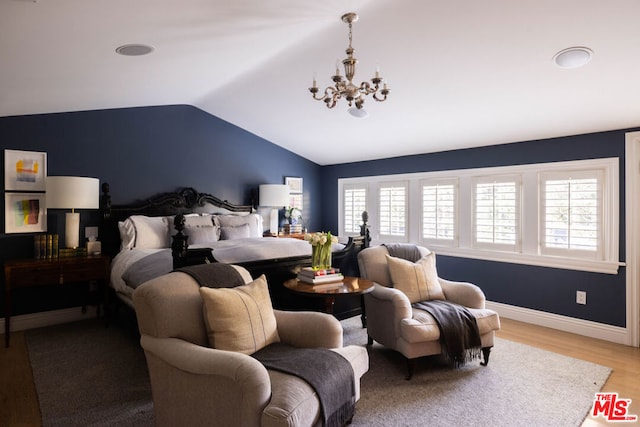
point(184, 200)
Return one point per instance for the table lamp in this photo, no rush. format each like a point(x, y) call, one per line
point(275, 196)
point(72, 192)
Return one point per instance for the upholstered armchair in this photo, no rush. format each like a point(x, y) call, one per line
point(193, 384)
point(394, 323)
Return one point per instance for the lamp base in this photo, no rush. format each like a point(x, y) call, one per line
point(72, 230)
point(273, 222)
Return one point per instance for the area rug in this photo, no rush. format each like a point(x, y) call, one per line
point(521, 386)
point(89, 375)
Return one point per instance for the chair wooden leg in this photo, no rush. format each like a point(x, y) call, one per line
point(411, 366)
point(486, 351)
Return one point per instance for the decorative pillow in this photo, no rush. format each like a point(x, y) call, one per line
point(148, 232)
point(240, 319)
point(232, 233)
point(202, 233)
point(200, 229)
point(253, 220)
point(419, 280)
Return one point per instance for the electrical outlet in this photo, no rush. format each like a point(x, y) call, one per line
point(581, 297)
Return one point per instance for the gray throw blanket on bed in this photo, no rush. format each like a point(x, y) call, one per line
point(330, 375)
point(214, 275)
point(459, 334)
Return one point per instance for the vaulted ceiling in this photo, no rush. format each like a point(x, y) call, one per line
point(461, 73)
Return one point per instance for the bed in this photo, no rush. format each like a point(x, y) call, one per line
point(141, 239)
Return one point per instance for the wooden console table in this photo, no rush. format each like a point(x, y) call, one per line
point(27, 273)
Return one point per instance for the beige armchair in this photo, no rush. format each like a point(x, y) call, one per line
point(193, 384)
point(393, 322)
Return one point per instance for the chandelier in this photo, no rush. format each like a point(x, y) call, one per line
point(346, 88)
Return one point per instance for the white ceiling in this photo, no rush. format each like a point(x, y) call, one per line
point(462, 73)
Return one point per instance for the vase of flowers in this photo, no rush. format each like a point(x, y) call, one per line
point(293, 216)
point(320, 249)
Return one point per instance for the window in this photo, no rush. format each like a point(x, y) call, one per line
point(571, 205)
point(439, 211)
point(392, 215)
point(558, 214)
point(354, 203)
point(496, 215)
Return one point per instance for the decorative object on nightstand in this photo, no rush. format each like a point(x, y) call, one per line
point(275, 196)
point(294, 220)
point(72, 192)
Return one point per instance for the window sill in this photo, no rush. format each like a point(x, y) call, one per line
point(594, 266)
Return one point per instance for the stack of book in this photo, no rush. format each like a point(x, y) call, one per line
point(309, 275)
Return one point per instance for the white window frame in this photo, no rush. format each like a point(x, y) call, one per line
point(342, 190)
point(529, 251)
point(429, 241)
point(498, 179)
point(395, 184)
point(601, 249)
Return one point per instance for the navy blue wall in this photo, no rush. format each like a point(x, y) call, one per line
point(546, 289)
point(144, 151)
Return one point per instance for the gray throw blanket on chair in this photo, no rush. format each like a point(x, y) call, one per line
point(407, 251)
point(459, 334)
point(330, 375)
point(214, 275)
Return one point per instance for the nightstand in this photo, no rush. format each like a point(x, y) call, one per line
point(28, 273)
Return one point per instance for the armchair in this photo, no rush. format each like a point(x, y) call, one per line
point(394, 323)
point(193, 384)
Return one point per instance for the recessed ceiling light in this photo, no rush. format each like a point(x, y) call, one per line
point(360, 113)
point(134, 49)
point(573, 57)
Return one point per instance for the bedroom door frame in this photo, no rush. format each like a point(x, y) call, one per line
point(632, 226)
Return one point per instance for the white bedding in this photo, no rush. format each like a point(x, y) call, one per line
point(227, 251)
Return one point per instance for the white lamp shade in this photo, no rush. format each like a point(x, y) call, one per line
point(73, 192)
point(274, 195)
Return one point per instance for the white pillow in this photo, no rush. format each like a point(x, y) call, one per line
point(151, 232)
point(253, 220)
point(127, 234)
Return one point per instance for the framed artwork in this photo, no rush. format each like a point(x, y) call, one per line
point(25, 213)
point(24, 170)
point(295, 201)
point(294, 183)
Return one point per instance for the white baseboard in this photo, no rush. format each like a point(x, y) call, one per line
point(46, 318)
point(586, 328)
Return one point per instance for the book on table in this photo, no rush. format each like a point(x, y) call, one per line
point(310, 272)
point(327, 286)
point(335, 277)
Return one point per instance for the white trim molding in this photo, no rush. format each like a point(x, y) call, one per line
point(585, 328)
point(632, 221)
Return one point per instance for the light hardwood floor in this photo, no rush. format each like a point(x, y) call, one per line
point(19, 402)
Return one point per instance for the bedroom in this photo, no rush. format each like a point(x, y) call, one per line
point(144, 150)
